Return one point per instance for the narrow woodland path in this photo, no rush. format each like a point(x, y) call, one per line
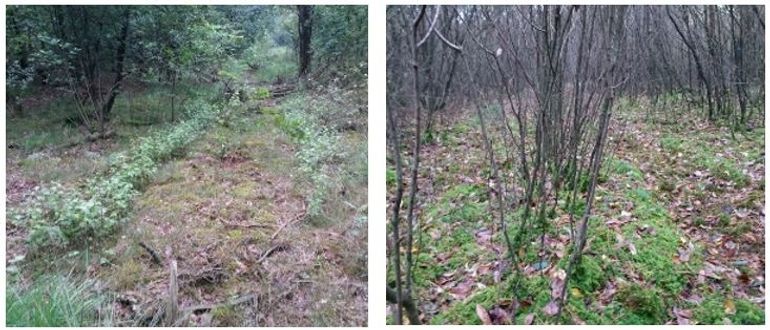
point(233, 214)
point(263, 218)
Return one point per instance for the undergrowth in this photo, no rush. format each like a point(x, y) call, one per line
point(57, 216)
point(56, 301)
point(320, 152)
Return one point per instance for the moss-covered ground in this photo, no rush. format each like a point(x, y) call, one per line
point(676, 235)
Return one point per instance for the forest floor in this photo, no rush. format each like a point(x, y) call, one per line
point(677, 235)
point(233, 212)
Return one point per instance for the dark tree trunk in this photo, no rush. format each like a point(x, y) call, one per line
point(305, 28)
point(412, 313)
point(120, 56)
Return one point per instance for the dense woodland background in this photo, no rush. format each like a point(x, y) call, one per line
point(576, 164)
point(89, 52)
point(186, 165)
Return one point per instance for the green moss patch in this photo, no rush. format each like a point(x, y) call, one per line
point(461, 203)
point(713, 311)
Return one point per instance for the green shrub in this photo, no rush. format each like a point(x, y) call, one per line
point(319, 145)
point(57, 216)
point(625, 168)
point(262, 93)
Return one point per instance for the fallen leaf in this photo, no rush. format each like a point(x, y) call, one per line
point(483, 315)
point(614, 222)
point(557, 283)
point(632, 248)
point(560, 250)
point(484, 269)
point(483, 236)
point(645, 229)
point(684, 255)
point(625, 214)
point(609, 291)
point(621, 240)
point(529, 319)
point(729, 306)
point(577, 321)
point(499, 315)
point(693, 299)
point(576, 293)
point(551, 309)
point(461, 290)
point(683, 316)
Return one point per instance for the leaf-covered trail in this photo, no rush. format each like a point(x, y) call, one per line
point(676, 236)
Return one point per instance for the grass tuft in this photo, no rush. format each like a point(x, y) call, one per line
point(54, 301)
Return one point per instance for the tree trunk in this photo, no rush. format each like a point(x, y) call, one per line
point(305, 28)
point(412, 313)
point(120, 57)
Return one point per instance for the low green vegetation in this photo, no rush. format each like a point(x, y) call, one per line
point(671, 144)
point(462, 203)
point(622, 167)
point(318, 128)
point(57, 216)
point(612, 259)
point(208, 146)
point(56, 301)
point(713, 311)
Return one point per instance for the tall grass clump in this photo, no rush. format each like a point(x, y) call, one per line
point(55, 301)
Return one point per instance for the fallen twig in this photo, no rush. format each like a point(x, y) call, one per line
point(242, 300)
point(245, 225)
point(270, 251)
point(299, 217)
point(155, 257)
point(190, 310)
point(172, 307)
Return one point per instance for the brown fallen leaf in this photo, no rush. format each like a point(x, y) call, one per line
point(483, 236)
point(499, 315)
point(645, 230)
point(483, 315)
point(560, 249)
point(557, 283)
point(684, 255)
point(551, 309)
point(529, 319)
point(609, 291)
point(577, 320)
point(632, 248)
point(461, 290)
point(683, 316)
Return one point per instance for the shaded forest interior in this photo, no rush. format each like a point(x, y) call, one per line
point(186, 165)
point(575, 164)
